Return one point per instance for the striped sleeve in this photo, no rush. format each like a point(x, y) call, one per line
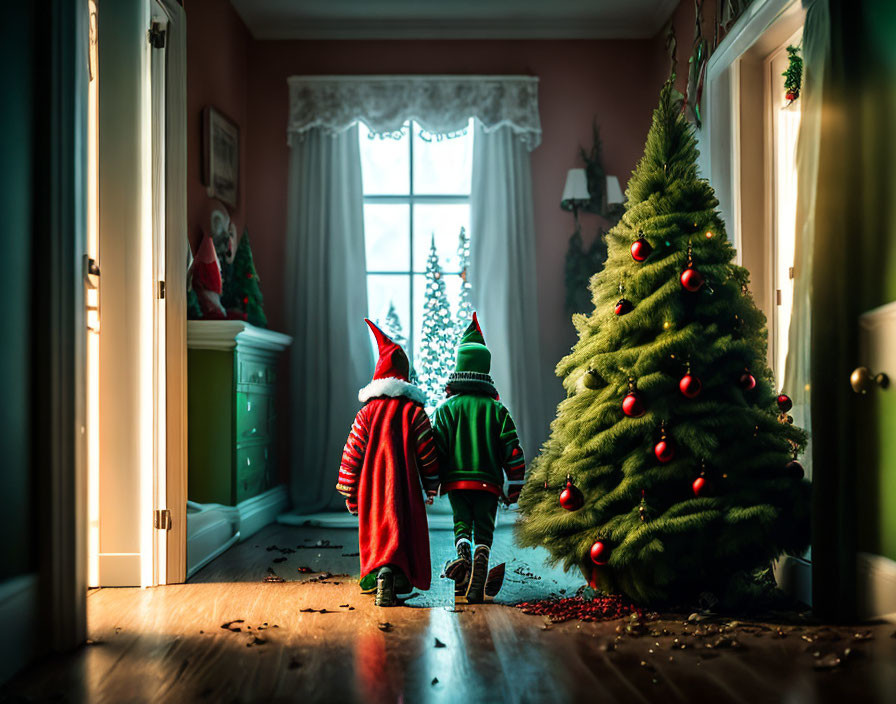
point(427, 458)
point(353, 457)
point(514, 462)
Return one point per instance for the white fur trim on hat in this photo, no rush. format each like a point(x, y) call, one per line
point(391, 387)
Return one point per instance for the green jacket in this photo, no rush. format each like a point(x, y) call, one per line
point(477, 444)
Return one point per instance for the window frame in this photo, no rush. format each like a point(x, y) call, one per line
point(411, 199)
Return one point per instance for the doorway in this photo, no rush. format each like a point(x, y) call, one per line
point(135, 292)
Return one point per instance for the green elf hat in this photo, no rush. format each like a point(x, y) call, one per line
point(472, 354)
point(474, 361)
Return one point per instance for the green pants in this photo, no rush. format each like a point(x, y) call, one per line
point(474, 515)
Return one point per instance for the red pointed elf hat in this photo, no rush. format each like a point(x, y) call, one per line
point(393, 362)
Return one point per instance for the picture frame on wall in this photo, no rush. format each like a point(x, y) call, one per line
point(221, 156)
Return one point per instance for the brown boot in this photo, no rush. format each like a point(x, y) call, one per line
point(458, 569)
point(478, 575)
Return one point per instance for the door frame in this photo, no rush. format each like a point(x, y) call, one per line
point(177, 254)
point(736, 131)
point(60, 330)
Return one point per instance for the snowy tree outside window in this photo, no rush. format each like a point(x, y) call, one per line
point(417, 223)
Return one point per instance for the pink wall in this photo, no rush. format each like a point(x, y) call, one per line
point(217, 62)
point(616, 81)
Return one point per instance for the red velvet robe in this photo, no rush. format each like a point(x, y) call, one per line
point(389, 451)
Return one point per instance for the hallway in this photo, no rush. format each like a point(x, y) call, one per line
point(229, 636)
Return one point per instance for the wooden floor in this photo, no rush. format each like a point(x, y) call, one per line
point(229, 636)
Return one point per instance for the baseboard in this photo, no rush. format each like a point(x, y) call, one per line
point(210, 531)
point(875, 587)
point(119, 569)
point(261, 510)
point(213, 529)
point(18, 614)
point(343, 519)
point(794, 577)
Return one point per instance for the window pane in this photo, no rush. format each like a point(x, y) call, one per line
point(383, 292)
point(443, 165)
point(385, 163)
point(452, 291)
point(444, 222)
point(386, 238)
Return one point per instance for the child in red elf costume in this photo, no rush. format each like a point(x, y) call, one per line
point(389, 451)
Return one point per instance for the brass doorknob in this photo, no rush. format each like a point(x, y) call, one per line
point(862, 380)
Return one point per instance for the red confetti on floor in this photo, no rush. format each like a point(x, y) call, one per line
point(600, 608)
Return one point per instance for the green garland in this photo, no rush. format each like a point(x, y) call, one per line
point(793, 76)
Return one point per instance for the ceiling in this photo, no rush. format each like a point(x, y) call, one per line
point(453, 19)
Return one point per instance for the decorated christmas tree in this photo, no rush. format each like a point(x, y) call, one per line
point(465, 305)
point(393, 328)
point(438, 333)
point(671, 467)
point(242, 292)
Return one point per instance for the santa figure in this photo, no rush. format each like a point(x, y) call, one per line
point(389, 453)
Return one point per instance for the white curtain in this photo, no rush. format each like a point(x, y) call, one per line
point(440, 104)
point(326, 302)
point(325, 268)
point(502, 274)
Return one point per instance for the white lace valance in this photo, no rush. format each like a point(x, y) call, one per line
point(441, 104)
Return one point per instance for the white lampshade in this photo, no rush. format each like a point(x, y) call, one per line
point(576, 188)
point(614, 192)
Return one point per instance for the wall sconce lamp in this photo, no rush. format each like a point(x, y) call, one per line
point(577, 196)
point(575, 193)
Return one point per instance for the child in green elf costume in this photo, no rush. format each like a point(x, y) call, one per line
point(477, 444)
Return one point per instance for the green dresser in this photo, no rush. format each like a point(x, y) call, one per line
point(232, 378)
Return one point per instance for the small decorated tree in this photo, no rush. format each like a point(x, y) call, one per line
point(671, 468)
point(392, 327)
point(465, 304)
point(242, 292)
point(438, 333)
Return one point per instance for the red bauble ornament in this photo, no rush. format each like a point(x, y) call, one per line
point(632, 405)
point(784, 403)
point(571, 498)
point(747, 381)
point(790, 95)
point(641, 249)
point(691, 279)
point(599, 553)
point(664, 450)
point(623, 306)
point(245, 300)
point(795, 469)
point(690, 385)
point(699, 485)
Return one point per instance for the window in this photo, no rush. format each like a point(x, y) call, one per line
point(416, 192)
